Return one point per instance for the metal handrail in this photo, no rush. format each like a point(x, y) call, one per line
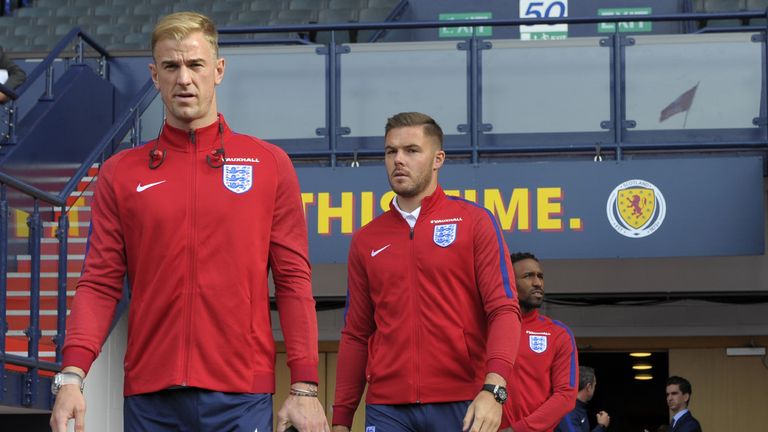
point(124, 122)
point(38, 71)
point(400, 25)
point(12, 95)
point(30, 190)
point(119, 128)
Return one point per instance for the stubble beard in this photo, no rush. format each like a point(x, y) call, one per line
point(413, 189)
point(529, 305)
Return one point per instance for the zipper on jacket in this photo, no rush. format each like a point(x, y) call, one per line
point(416, 317)
point(192, 255)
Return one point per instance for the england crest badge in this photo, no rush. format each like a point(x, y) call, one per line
point(238, 178)
point(444, 235)
point(538, 343)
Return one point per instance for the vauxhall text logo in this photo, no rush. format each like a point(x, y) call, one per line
point(636, 208)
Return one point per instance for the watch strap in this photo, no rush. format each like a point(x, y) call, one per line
point(66, 378)
point(499, 392)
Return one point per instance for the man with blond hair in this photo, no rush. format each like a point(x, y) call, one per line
point(181, 219)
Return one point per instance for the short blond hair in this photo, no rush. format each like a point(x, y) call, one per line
point(180, 25)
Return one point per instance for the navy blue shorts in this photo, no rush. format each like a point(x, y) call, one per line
point(197, 410)
point(437, 417)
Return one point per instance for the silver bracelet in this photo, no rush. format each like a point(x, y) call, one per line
point(306, 393)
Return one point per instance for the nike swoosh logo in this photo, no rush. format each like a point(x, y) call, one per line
point(142, 188)
point(376, 252)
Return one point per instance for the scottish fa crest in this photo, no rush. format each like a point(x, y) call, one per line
point(538, 343)
point(636, 208)
point(238, 178)
point(444, 235)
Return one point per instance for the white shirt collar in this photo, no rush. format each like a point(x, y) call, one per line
point(409, 217)
point(678, 415)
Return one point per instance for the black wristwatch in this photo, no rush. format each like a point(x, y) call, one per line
point(498, 392)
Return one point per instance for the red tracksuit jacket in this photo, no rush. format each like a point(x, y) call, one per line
point(197, 244)
point(430, 311)
point(545, 379)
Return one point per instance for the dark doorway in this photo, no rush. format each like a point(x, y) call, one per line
point(634, 405)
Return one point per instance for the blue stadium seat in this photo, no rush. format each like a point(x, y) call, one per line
point(296, 16)
point(307, 4)
point(53, 21)
point(337, 16)
point(51, 4)
point(135, 19)
point(30, 30)
point(724, 5)
point(74, 11)
point(62, 29)
point(389, 4)
point(266, 5)
point(114, 29)
point(192, 6)
point(34, 12)
point(231, 6)
point(44, 43)
point(151, 9)
point(139, 40)
point(347, 4)
point(253, 18)
point(110, 11)
point(374, 14)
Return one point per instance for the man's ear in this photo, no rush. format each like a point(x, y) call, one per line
point(439, 159)
point(220, 66)
point(153, 73)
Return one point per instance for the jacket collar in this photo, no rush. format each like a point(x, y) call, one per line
point(201, 139)
point(531, 316)
point(427, 204)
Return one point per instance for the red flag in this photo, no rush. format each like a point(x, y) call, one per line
point(681, 104)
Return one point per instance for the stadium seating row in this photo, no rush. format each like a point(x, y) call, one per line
point(125, 24)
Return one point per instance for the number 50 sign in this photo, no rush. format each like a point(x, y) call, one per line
point(543, 9)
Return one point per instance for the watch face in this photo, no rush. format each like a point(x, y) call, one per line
point(56, 384)
point(502, 394)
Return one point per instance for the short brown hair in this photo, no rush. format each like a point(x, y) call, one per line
point(180, 25)
point(405, 119)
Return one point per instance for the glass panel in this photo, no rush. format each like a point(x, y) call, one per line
point(382, 79)
point(273, 92)
point(703, 81)
point(152, 118)
point(546, 86)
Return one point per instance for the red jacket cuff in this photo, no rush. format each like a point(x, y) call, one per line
point(520, 427)
point(342, 416)
point(78, 357)
point(304, 373)
point(500, 367)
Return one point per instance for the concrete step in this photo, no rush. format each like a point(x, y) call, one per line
point(50, 263)
point(20, 281)
point(19, 320)
point(17, 303)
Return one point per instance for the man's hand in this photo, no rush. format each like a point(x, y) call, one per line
point(483, 414)
point(70, 404)
point(3, 98)
point(304, 413)
point(603, 419)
